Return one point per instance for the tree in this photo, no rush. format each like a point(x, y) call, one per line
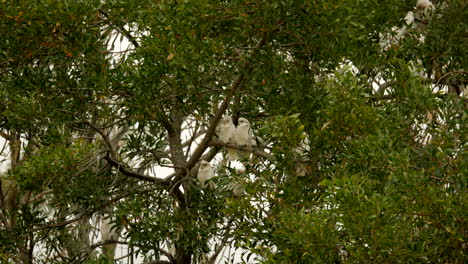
point(358, 158)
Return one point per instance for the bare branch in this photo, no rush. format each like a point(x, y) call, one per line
point(167, 254)
point(194, 136)
point(383, 87)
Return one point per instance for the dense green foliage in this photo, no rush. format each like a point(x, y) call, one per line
point(359, 159)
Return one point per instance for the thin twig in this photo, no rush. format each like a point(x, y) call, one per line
point(442, 180)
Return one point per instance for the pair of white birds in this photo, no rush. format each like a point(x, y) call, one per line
point(241, 135)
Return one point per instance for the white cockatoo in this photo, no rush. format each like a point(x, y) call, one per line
point(171, 248)
point(243, 136)
point(205, 173)
point(423, 13)
point(225, 131)
point(108, 232)
point(423, 4)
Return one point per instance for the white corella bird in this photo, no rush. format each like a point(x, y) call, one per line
point(423, 4)
point(205, 173)
point(225, 131)
point(243, 136)
point(423, 13)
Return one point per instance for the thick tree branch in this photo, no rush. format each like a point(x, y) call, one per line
point(167, 254)
point(5, 135)
point(257, 151)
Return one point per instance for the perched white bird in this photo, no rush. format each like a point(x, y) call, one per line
point(423, 3)
point(108, 232)
point(423, 13)
point(225, 131)
point(243, 136)
point(205, 173)
point(415, 20)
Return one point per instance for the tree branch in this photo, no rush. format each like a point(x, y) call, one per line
point(220, 247)
point(111, 157)
point(86, 251)
point(450, 73)
point(257, 151)
point(121, 29)
point(127, 171)
point(5, 135)
point(442, 180)
point(158, 262)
